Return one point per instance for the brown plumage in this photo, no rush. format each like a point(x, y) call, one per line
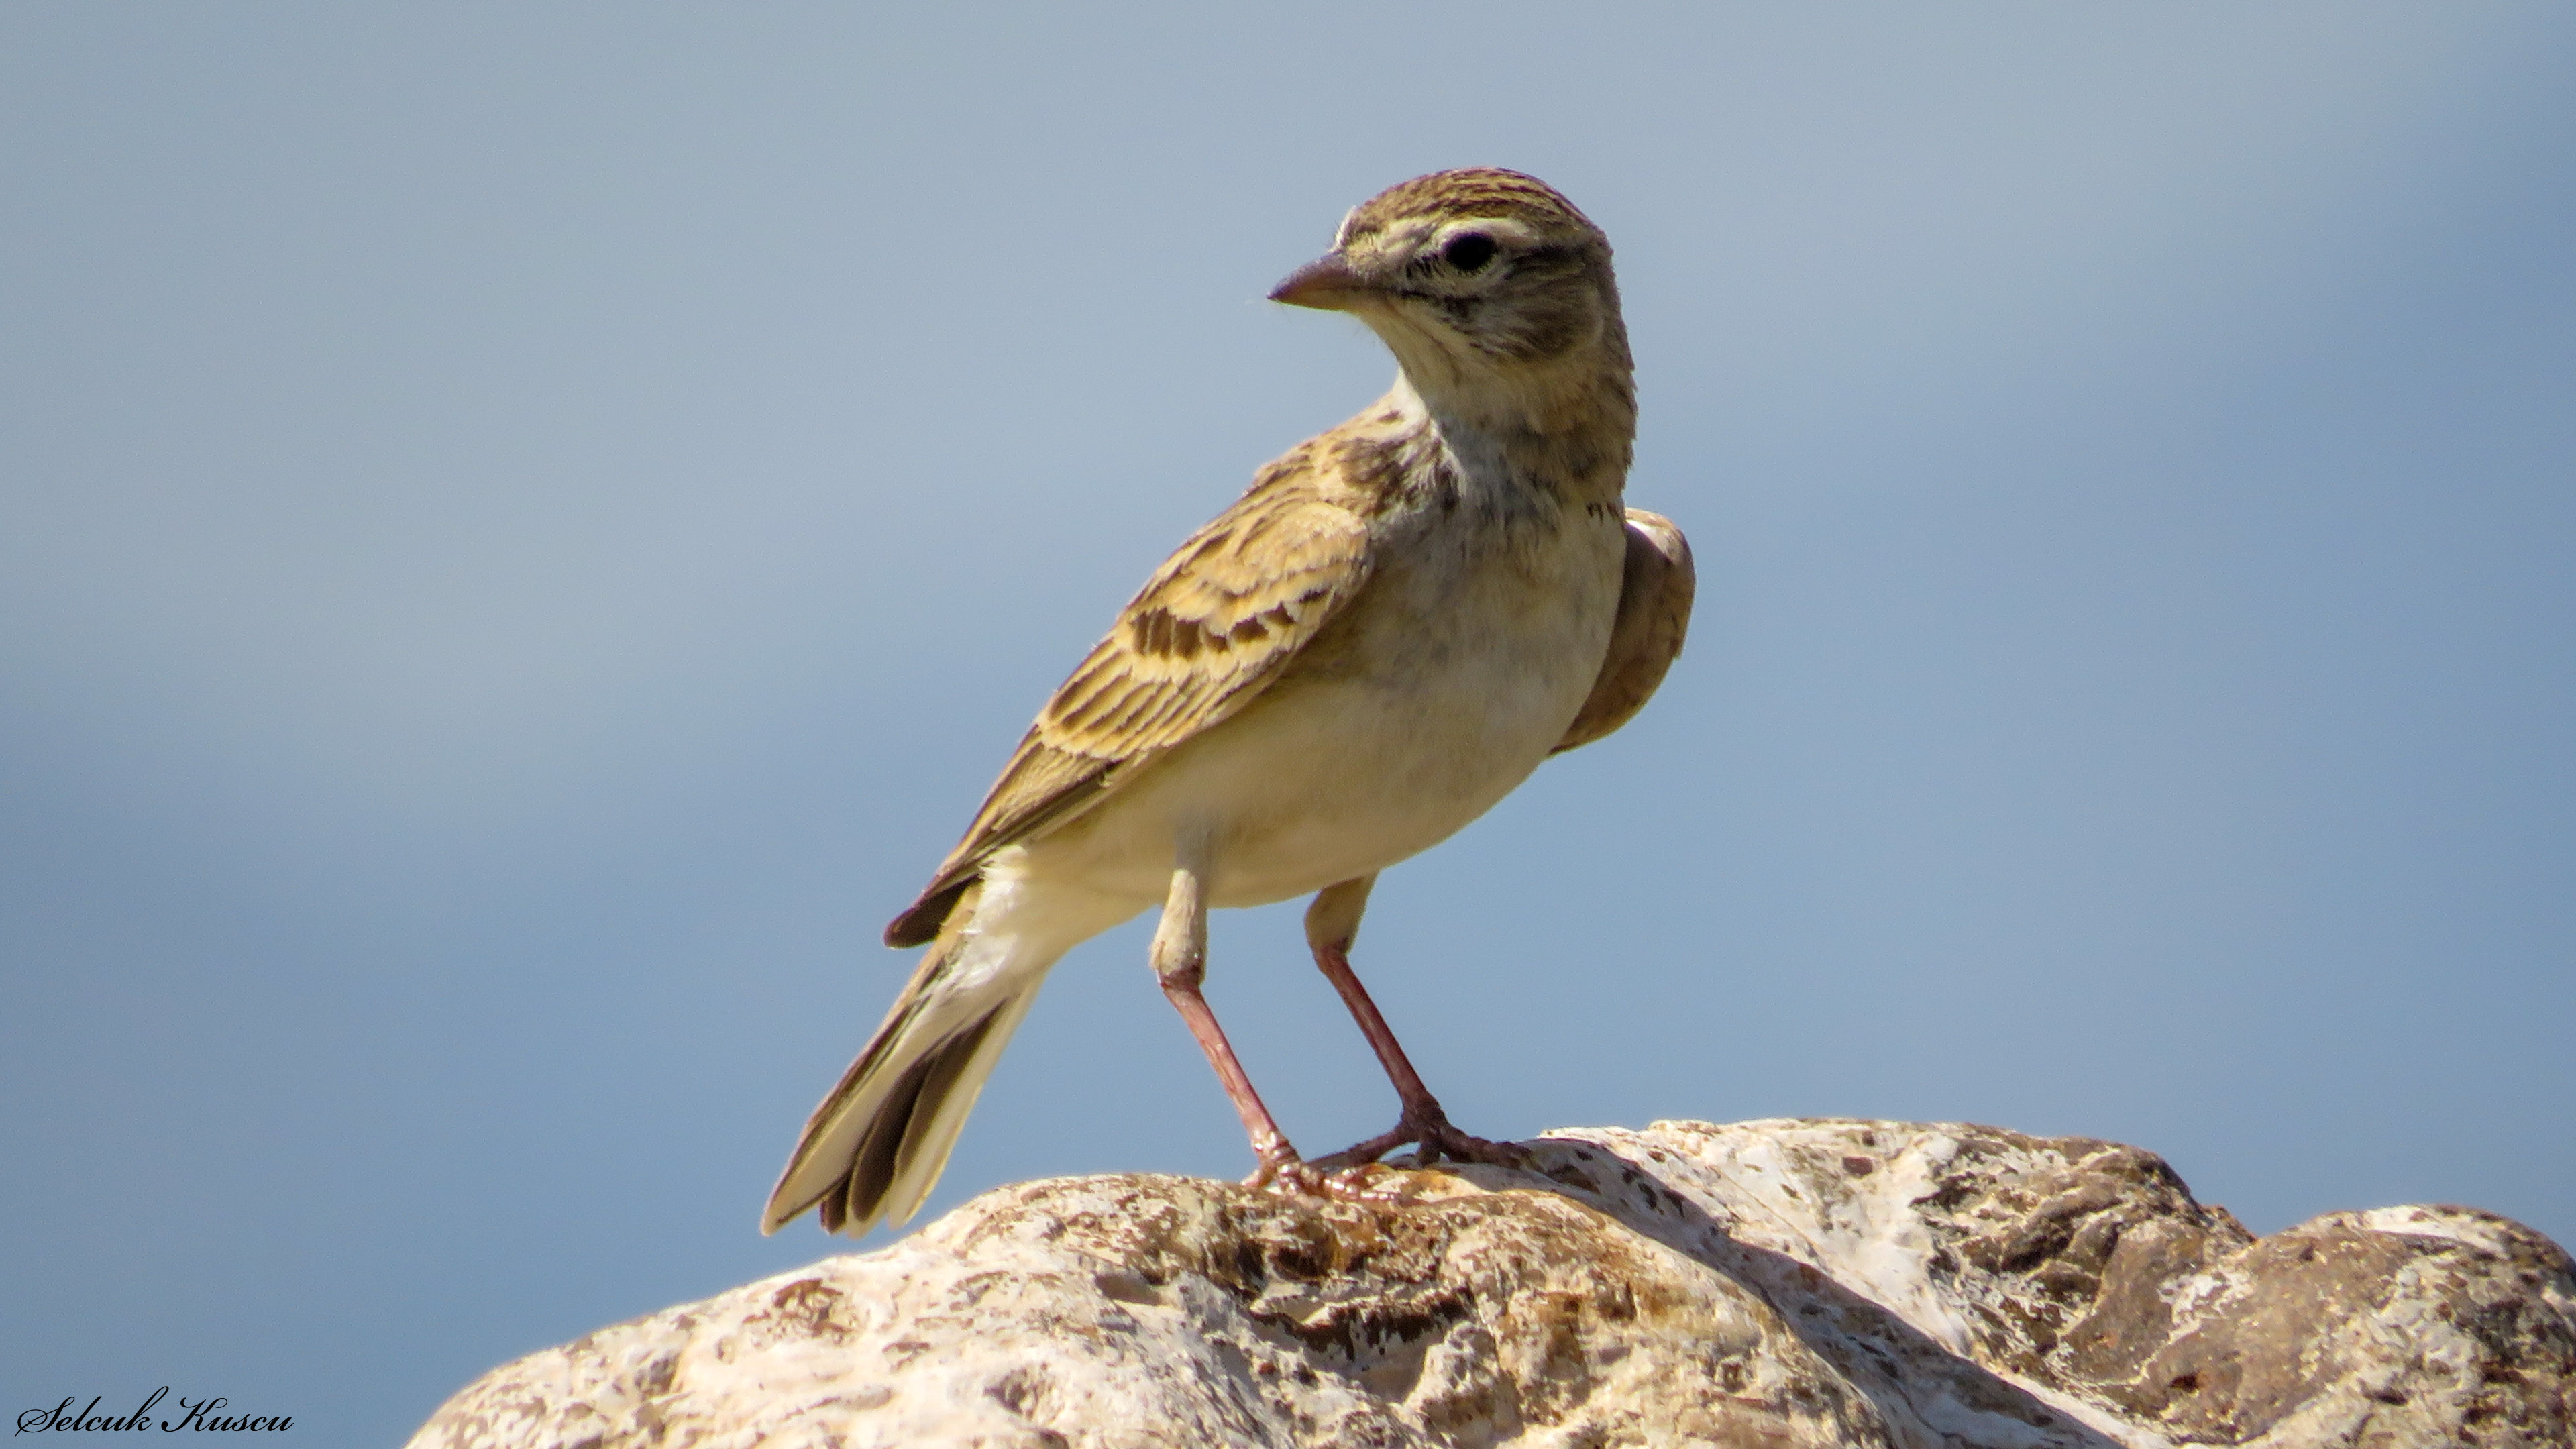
point(1398, 620)
point(1283, 560)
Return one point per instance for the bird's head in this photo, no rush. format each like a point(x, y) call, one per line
point(1478, 280)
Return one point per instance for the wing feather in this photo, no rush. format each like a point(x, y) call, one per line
point(1656, 584)
point(1213, 625)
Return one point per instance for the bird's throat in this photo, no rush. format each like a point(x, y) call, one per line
point(1568, 428)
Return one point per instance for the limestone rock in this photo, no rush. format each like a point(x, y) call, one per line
point(1781, 1283)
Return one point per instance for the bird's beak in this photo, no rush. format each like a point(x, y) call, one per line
point(1327, 282)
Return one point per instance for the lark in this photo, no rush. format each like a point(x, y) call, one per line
point(1389, 631)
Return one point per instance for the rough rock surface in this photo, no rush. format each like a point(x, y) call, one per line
point(1781, 1283)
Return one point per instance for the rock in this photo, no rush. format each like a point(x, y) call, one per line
point(1781, 1283)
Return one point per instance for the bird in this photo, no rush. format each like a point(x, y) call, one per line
point(1394, 626)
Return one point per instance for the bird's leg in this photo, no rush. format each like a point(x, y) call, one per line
point(1180, 964)
point(1332, 924)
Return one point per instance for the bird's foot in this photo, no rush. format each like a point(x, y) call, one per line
point(1429, 1131)
point(1292, 1176)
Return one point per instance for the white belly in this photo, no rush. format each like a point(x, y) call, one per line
point(1448, 683)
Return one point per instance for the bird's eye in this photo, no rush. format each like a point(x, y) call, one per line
point(1469, 251)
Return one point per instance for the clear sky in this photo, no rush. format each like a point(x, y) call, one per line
point(525, 531)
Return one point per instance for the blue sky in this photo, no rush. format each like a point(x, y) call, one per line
point(523, 536)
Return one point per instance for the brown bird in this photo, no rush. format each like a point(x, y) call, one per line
point(1381, 638)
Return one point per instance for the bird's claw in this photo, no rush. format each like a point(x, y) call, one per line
point(1433, 1138)
point(1354, 1174)
point(1292, 1176)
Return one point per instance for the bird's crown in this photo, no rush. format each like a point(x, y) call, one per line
point(1480, 192)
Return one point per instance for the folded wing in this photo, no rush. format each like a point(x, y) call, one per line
point(1655, 589)
point(1213, 626)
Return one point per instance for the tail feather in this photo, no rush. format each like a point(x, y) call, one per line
point(892, 1139)
point(876, 1145)
point(939, 1115)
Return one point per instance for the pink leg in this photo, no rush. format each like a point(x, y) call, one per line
point(1269, 1144)
point(1180, 964)
point(1332, 923)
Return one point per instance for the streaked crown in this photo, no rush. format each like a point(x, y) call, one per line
point(1471, 192)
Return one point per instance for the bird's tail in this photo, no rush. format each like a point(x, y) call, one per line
point(877, 1143)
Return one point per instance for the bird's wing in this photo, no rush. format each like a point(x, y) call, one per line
point(1213, 626)
point(1655, 588)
